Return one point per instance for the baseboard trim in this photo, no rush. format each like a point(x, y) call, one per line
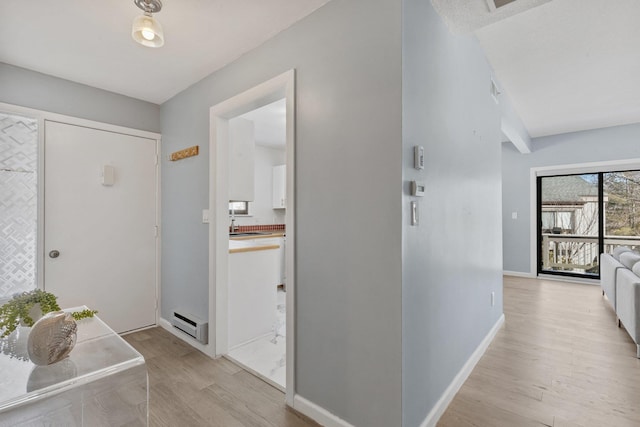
point(518, 274)
point(318, 413)
point(165, 324)
point(568, 279)
point(436, 412)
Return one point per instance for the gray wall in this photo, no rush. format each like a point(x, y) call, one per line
point(347, 57)
point(615, 143)
point(452, 261)
point(19, 86)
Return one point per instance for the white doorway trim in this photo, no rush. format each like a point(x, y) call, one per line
point(282, 86)
point(44, 116)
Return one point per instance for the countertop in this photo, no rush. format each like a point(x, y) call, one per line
point(279, 233)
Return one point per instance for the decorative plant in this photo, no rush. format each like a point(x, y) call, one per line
point(17, 310)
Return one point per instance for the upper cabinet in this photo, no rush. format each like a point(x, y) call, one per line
point(241, 160)
point(279, 200)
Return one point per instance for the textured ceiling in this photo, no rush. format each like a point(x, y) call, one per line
point(90, 41)
point(569, 65)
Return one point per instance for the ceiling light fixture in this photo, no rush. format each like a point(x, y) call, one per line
point(146, 30)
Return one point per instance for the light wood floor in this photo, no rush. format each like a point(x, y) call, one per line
point(559, 360)
point(187, 388)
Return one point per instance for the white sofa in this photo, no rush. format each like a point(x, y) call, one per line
point(620, 282)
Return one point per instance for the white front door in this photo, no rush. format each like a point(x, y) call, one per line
point(100, 237)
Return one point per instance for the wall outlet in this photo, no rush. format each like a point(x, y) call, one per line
point(205, 216)
point(514, 215)
point(493, 299)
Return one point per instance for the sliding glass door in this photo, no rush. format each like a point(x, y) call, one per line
point(621, 209)
point(581, 216)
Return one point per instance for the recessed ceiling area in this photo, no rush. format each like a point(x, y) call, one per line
point(466, 16)
point(500, 3)
point(90, 42)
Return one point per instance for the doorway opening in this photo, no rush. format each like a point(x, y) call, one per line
point(257, 288)
point(242, 176)
point(581, 216)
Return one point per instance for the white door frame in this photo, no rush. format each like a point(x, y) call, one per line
point(282, 86)
point(44, 116)
point(564, 169)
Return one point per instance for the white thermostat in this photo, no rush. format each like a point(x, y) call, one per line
point(417, 188)
point(418, 157)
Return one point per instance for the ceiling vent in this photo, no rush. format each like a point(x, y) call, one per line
point(495, 4)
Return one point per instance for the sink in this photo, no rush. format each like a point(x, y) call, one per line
point(250, 233)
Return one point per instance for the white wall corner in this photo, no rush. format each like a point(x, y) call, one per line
point(318, 413)
point(441, 406)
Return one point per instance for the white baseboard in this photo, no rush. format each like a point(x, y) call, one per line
point(555, 277)
point(317, 413)
point(165, 324)
point(569, 279)
point(432, 418)
point(518, 274)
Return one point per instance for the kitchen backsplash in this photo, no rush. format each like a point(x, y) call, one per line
point(261, 227)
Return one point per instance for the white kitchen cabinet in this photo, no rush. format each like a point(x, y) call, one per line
point(265, 241)
point(252, 292)
point(279, 187)
point(242, 149)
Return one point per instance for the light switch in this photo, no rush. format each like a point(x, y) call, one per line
point(205, 216)
point(514, 215)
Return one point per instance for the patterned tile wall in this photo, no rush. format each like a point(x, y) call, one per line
point(18, 203)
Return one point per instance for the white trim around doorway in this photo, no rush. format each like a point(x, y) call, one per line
point(282, 86)
point(43, 116)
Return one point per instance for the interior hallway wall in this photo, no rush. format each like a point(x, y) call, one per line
point(452, 260)
point(26, 88)
point(347, 57)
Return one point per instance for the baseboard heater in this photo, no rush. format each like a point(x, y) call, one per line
point(191, 325)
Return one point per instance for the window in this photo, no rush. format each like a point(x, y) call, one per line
point(238, 208)
point(19, 206)
point(582, 216)
point(558, 221)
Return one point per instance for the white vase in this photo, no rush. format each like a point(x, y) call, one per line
point(52, 338)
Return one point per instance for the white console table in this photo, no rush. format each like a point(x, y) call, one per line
point(103, 382)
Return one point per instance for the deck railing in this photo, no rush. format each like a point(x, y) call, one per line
point(570, 252)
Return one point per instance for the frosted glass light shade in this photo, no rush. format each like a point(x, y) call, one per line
point(147, 31)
